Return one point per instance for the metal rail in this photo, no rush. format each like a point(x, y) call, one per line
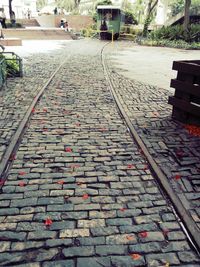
point(15, 141)
point(189, 226)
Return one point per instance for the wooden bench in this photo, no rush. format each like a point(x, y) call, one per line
point(186, 100)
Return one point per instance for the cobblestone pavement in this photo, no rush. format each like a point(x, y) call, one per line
point(79, 192)
point(175, 150)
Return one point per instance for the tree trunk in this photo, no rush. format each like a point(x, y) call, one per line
point(150, 8)
point(10, 8)
point(187, 15)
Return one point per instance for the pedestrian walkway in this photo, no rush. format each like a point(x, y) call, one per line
point(80, 192)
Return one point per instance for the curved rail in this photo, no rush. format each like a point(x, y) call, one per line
point(189, 226)
point(14, 143)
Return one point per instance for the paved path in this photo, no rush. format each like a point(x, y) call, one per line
point(79, 192)
point(151, 65)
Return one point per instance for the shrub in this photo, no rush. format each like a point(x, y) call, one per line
point(177, 33)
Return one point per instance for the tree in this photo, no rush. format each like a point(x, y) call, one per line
point(186, 16)
point(150, 8)
point(10, 8)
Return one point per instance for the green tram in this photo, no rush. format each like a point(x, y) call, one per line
point(109, 19)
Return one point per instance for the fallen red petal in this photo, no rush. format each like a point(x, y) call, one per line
point(60, 182)
point(177, 177)
point(21, 184)
point(122, 209)
point(135, 256)
point(48, 222)
point(22, 173)
point(68, 149)
point(85, 196)
point(143, 234)
point(130, 166)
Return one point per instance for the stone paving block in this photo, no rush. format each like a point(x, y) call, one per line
point(109, 230)
point(37, 235)
point(111, 249)
point(121, 239)
point(58, 242)
point(74, 233)
point(93, 262)
point(91, 223)
point(90, 241)
point(61, 263)
point(119, 221)
point(146, 248)
point(160, 259)
point(4, 246)
point(78, 251)
point(127, 261)
point(20, 246)
point(188, 256)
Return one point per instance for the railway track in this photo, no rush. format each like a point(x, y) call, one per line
point(188, 225)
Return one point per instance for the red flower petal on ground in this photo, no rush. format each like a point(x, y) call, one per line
point(179, 153)
point(130, 237)
point(12, 157)
point(143, 234)
point(146, 167)
point(68, 149)
point(165, 232)
point(135, 256)
point(21, 184)
point(33, 110)
point(2, 182)
point(60, 182)
point(45, 109)
point(48, 222)
point(85, 196)
point(122, 209)
point(130, 166)
point(177, 177)
point(22, 173)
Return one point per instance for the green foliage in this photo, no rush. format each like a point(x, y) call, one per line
point(12, 65)
point(103, 3)
point(177, 33)
point(130, 18)
point(169, 43)
point(177, 6)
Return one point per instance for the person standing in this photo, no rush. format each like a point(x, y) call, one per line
point(29, 13)
point(3, 18)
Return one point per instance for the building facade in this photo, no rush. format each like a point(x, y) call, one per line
point(20, 7)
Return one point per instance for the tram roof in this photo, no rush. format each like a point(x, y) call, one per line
point(108, 7)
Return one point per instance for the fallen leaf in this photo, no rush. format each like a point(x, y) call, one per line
point(143, 234)
point(48, 222)
point(135, 256)
point(85, 196)
point(21, 184)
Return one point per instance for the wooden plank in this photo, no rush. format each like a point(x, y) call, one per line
point(187, 67)
point(186, 87)
point(185, 106)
